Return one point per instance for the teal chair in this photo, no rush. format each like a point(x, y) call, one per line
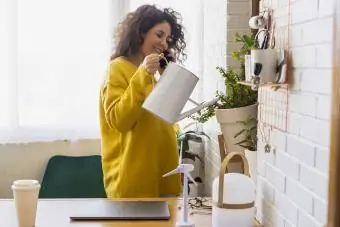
point(73, 177)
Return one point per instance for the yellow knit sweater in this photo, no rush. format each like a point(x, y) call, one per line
point(137, 147)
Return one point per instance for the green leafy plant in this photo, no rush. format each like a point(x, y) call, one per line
point(183, 140)
point(248, 43)
point(236, 95)
point(248, 134)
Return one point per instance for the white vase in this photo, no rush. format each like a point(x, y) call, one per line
point(228, 120)
point(267, 58)
point(247, 67)
point(252, 162)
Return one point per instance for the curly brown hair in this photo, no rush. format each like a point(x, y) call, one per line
point(130, 32)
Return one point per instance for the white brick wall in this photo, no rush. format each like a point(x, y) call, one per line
point(293, 178)
point(297, 174)
point(238, 12)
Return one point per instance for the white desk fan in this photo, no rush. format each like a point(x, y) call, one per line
point(185, 169)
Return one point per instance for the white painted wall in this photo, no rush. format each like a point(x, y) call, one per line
point(19, 161)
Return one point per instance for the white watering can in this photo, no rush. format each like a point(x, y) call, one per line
point(172, 92)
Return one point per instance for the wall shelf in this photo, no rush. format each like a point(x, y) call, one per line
point(244, 83)
point(272, 85)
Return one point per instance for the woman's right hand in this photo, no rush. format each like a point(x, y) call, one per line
point(151, 62)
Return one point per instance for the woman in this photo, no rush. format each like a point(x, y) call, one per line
point(137, 147)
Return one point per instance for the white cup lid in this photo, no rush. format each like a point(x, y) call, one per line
point(25, 184)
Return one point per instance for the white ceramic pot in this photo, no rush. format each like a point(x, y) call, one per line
point(247, 67)
point(267, 59)
point(228, 120)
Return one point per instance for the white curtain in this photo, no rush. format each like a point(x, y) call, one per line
point(53, 57)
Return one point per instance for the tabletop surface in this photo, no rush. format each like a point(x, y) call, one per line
point(56, 212)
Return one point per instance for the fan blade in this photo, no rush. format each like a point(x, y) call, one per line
point(180, 153)
point(192, 179)
point(172, 172)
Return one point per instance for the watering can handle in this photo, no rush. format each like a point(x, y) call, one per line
point(164, 58)
point(224, 169)
point(196, 109)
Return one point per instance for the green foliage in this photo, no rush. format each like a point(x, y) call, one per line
point(183, 139)
point(248, 134)
point(248, 42)
point(236, 95)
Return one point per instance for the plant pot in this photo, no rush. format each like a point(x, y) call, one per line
point(247, 67)
point(252, 162)
point(228, 120)
point(196, 191)
point(195, 156)
point(267, 58)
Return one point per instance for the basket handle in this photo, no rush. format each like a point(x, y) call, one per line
point(224, 169)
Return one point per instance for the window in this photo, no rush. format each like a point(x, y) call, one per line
point(5, 61)
point(54, 56)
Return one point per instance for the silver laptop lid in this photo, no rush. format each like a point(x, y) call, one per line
point(122, 210)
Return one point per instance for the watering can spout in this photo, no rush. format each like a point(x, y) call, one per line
point(196, 109)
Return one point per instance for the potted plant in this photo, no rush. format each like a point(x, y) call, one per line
point(248, 142)
point(197, 159)
point(238, 102)
point(243, 55)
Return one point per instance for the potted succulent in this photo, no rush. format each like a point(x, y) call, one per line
point(248, 142)
point(238, 102)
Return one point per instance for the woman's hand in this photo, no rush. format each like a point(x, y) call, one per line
point(151, 62)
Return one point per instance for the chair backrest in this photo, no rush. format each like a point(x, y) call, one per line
point(73, 177)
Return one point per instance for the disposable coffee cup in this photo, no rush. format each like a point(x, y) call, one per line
point(25, 193)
